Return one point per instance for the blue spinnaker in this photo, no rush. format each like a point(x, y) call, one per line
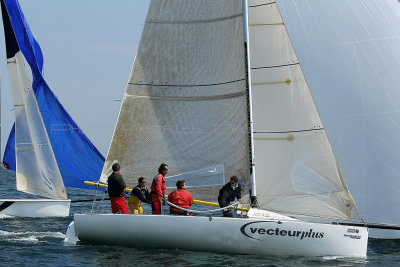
point(77, 158)
point(9, 152)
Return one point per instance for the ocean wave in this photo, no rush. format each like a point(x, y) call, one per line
point(5, 216)
point(30, 235)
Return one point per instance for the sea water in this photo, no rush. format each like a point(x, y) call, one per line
point(39, 242)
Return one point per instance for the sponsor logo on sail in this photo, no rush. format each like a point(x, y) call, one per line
point(255, 231)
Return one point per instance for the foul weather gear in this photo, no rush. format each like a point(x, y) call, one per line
point(118, 204)
point(181, 198)
point(158, 188)
point(116, 185)
point(227, 194)
point(137, 196)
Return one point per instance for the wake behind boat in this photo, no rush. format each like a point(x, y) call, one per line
point(217, 90)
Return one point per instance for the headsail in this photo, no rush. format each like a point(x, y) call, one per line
point(77, 158)
point(295, 168)
point(37, 169)
point(351, 56)
point(185, 103)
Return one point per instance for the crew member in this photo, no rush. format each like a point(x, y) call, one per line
point(228, 193)
point(158, 188)
point(181, 198)
point(116, 191)
point(139, 194)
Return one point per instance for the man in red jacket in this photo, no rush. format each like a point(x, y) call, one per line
point(181, 198)
point(158, 188)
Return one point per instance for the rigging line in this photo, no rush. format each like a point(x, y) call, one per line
point(89, 200)
point(200, 211)
point(266, 4)
point(194, 21)
point(294, 131)
point(187, 85)
point(277, 66)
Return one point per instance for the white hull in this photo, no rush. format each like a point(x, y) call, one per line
point(35, 207)
point(219, 234)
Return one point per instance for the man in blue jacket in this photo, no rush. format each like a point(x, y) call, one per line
point(228, 193)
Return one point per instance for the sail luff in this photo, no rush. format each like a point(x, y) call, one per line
point(253, 187)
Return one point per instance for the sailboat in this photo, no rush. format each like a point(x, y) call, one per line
point(42, 168)
point(217, 90)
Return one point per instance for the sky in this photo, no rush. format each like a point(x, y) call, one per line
point(88, 48)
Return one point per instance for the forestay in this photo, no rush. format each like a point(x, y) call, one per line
point(351, 58)
point(295, 168)
point(185, 103)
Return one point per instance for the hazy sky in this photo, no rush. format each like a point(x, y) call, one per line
point(88, 48)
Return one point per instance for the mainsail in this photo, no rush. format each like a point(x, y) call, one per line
point(351, 58)
point(77, 158)
point(185, 103)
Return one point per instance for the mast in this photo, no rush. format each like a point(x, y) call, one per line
point(253, 193)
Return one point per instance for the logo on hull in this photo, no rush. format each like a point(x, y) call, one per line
point(255, 231)
point(353, 233)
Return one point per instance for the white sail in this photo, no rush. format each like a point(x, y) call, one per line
point(37, 170)
point(186, 105)
point(351, 58)
point(295, 168)
point(186, 102)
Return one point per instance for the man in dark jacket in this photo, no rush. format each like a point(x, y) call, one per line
point(116, 191)
point(228, 193)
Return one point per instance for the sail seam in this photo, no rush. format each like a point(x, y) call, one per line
point(266, 24)
point(276, 66)
point(294, 131)
point(266, 4)
point(196, 98)
point(186, 85)
point(193, 21)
